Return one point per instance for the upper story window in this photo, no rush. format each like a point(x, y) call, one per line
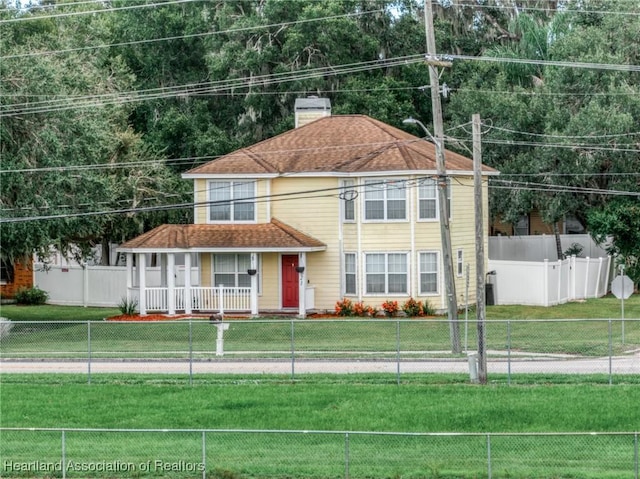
point(428, 199)
point(347, 197)
point(232, 201)
point(385, 200)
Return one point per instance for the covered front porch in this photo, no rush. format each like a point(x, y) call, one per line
point(240, 269)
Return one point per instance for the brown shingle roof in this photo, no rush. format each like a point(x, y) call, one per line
point(275, 235)
point(340, 144)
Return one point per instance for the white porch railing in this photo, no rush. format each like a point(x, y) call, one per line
point(202, 299)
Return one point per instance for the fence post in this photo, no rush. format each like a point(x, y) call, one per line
point(509, 352)
point(635, 453)
point(204, 455)
point(63, 466)
point(610, 355)
point(398, 351)
point(221, 300)
point(346, 455)
point(190, 352)
point(89, 352)
point(293, 352)
point(489, 456)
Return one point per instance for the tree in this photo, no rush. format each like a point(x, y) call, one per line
point(617, 226)
point(68, 163)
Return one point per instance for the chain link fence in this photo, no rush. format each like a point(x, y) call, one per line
point(606, 350)
point(285, 454)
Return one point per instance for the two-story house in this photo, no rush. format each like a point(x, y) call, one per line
point(341, 206)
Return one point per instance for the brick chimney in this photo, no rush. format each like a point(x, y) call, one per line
point(310, 109)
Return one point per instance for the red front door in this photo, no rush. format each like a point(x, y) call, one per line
point(289, 281)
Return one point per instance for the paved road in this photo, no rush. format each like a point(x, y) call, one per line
point(618, 365)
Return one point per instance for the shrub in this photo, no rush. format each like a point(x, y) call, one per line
point(344, 307)
point(359, 309)
point(428, 309)
point(31, 296)
point(412, 308)
point(128, 306)
point(390, 307)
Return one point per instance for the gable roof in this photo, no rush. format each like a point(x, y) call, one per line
point(274, 236)
point(336, 144)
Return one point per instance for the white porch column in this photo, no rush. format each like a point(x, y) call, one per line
point(302, 289)
point(142, 282)
point(187, 283)
point(129, 275)
point(163, 269)
point(171, 282)
point(254, 285)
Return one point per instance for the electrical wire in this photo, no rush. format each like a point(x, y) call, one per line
point(10, 110)
point(192, 35)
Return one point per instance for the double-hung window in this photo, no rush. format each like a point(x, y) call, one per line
point(347, 197)
point(428, 199)
point(350, 273)
point(386, 273)
point(428, 265)
point(231, 270)
point(385, 200)
point(232, 201)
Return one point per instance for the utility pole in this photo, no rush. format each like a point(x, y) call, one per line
point(480, 276)
point(438, 130)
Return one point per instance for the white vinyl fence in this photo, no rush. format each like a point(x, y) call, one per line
point(540, 247)
point(547, 283)
point(103, 286)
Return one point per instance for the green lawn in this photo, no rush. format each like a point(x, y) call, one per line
point(325, 404)
point(607, 307)
point(367, 405)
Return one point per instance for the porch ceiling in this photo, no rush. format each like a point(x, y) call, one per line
point(273, 236)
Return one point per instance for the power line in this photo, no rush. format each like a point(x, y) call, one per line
point(559, 10)
point(564, 64)
point(205, 88)
point(192, 35)
point(92, 12)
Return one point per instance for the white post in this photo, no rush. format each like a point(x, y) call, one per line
point(559, 280)
point(171, 282)
point(586, 279)
point(221, 300)
point(254, 285)
point(222, 327)
point(302, 289)
point(129, 275)
point(142, 282)
point(85, 284)
point(597, 291)
point(545, 284)
point(187, 283)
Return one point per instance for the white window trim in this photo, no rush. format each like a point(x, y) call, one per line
point(386, 274)
point(232, 202)
point(437, 217)
point(258, 273)
point(384, 200)
point(346, 187)
point(438, 274)
point(344, 273)
point(459, 262)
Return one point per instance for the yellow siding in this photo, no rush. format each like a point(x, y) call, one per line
point(270, 296)
point(205, 270)
point(317, 216)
